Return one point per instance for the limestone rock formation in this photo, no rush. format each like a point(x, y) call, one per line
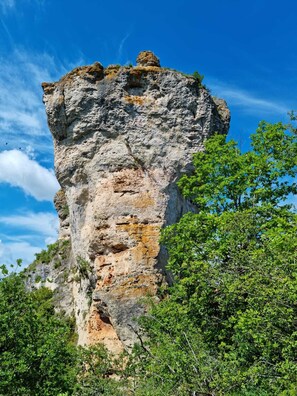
point(122, 137)
point(147, 58)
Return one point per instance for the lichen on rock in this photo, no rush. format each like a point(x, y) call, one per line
point(147, 58)
point(122, 138)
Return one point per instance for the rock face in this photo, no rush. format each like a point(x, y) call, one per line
point(147, 58)
point(122, 137)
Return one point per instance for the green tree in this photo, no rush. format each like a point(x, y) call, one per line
point(199, 77)
point(226, 179)
point(99, 373)
point(227, 325)
point(36, 355)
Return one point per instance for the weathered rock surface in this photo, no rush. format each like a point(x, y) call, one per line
point(147, 58)
point(122, 137)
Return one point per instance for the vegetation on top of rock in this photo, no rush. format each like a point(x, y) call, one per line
point(199, 77)
point(57, 250)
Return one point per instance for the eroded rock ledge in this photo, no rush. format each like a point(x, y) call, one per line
point(122, 137)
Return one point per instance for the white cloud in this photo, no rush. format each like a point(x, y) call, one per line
point(50, 240)
point(39, 230)
point(11, 252)
point(121, 46)
point(44, 223)
point(22, 114)
point(17, 169)
point(29, 150)
point(246, 101)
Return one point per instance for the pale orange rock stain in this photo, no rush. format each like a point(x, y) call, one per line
point(100, 331)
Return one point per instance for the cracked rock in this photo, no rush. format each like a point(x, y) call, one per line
point(122, 138)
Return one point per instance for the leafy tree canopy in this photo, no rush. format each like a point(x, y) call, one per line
point(226, 179)
point(36, 353)
point(228, 323)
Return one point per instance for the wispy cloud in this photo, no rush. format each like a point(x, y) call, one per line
point(12, 251)
point(246, 101)
point(121, 46)
point(17, 169)
point(39, 229)
point(7, 5)
point(22, 115)
point(44, 223)
point(24, 140)
point(10, 5)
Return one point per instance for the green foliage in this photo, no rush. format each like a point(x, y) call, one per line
point(199, 77)
point(38, 279)
point(99, 373)
point(196, 75)
point(225, 179)
point(173, 359)
point(46, 255)
point(228, 323)
point(83, 267)
point(55, 252)
point(4, 270)
point(237, 281)
point(36, 357)
point(57, 264)
point(37, 352)
point(65, 211)
point(57, 248)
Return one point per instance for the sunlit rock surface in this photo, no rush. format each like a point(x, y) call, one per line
point(122, 138)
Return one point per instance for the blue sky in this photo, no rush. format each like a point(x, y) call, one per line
point(245, 49)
